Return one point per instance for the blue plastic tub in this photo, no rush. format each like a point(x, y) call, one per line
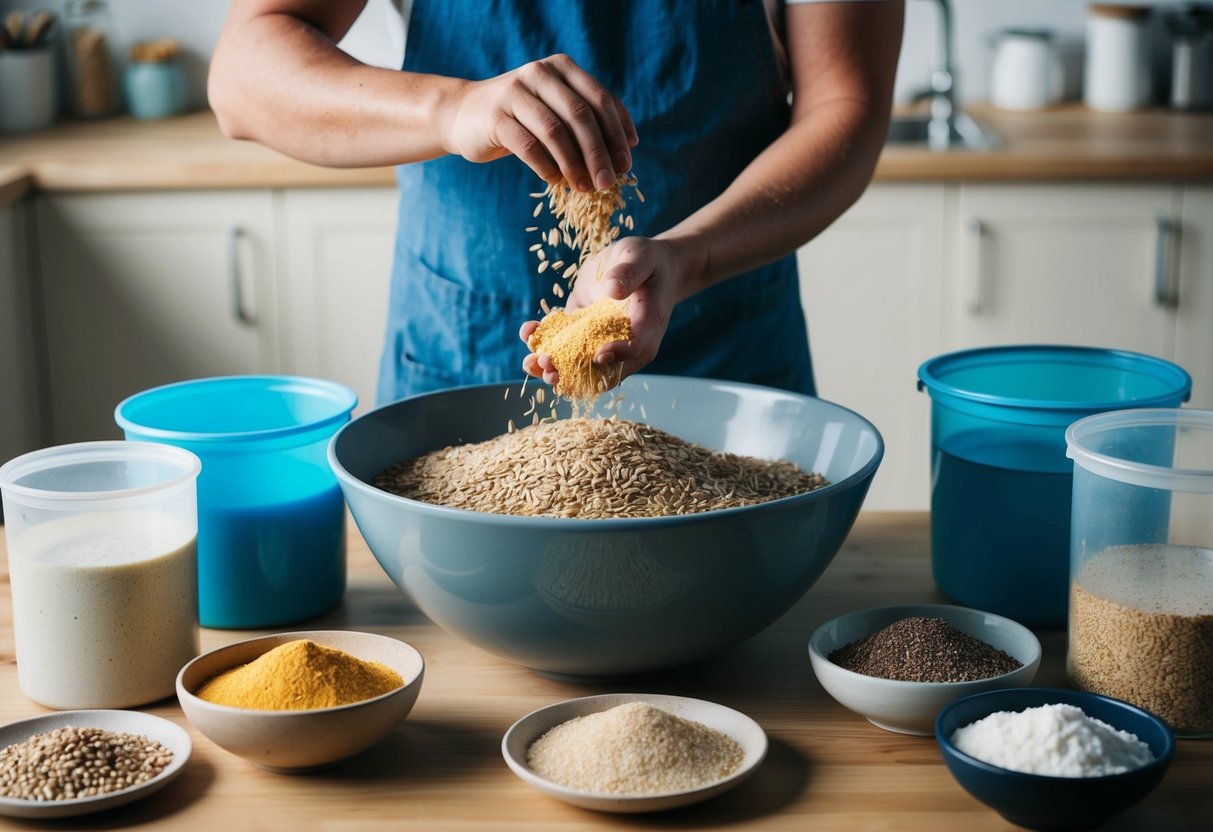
point(271, 518)
point(1000, 479)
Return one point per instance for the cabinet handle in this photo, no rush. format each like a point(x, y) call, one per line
point(240, 310)
point(972, 274)
point(1166, 283)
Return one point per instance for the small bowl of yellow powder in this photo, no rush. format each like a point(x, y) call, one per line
point(634, 752)
point(301, 701)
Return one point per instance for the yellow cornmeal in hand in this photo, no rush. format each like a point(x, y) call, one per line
point(300, 675)
point(571, 339)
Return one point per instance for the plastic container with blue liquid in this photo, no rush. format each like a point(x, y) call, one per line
point(1001, 482)
point(271, 518)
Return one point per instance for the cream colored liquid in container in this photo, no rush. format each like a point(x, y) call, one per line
point(103, 564)
point(107, 611)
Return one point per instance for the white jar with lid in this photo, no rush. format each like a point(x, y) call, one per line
point(104, 571)
point(1117, 76)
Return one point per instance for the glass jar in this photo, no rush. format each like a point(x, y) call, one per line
point(92, 84)
point(154, 80)
point(1141, 562)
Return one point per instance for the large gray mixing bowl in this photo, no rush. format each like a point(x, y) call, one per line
point(610, 597)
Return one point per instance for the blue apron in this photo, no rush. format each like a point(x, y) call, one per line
point(701, 82)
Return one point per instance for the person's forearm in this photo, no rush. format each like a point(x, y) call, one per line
point(843, 59)
point(790, 193)
point(285, 84)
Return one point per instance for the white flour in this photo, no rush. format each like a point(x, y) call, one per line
point(1056, 740)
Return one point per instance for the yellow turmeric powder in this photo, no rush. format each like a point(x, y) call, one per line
point(572, 339)
point(300, 675)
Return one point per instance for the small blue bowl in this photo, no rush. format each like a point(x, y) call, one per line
point(1054, 803)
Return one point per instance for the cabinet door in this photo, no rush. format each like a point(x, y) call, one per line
point(1064, 264)
point(142, 289)
point(338, 255)
point(870, 285)
point(21, 414)
point(1194, 299)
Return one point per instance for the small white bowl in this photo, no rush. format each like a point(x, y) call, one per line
point(743, 730)
point(170, 735)
point(298, 741)
point(911, 707)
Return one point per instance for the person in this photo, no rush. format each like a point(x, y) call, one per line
point(749, 126)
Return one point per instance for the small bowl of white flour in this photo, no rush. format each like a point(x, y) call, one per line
point(1048, 758)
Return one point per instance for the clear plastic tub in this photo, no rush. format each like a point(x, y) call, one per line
point(1141, 593)
point(271, 518)
point(1000, 480)
point(102, 560)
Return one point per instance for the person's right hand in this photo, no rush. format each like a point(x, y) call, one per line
point(550, 114)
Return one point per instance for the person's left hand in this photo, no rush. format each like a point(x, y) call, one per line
point(649, 273)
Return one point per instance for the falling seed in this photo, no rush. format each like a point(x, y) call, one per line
point(510, 426)
point(538, 195)
point(570, 271)
point(559, 264)
point(628, 222)
point(535, 247)
point(557, 291)
point(643, 415)
point(531, 228)
point(539, 395)
point(553, 237)
point(507, 394)
point(543, 265)
point(543, 304)
point(673, 403)
point(639, 195)
point(541, 254)
point(538, 209)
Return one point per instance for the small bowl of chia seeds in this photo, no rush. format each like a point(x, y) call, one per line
point(900, 666)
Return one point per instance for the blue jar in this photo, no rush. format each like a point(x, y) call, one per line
point(154, 89)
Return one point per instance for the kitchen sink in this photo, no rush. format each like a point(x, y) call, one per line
point(961, 132)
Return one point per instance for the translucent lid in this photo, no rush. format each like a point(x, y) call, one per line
point(1170, 449)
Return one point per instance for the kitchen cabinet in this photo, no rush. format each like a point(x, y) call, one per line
point(871, 288)
point(912, 271)
point(1194, 297)
point(1058, 264)
point(21, 400)
point(337, 256)
point(147, 288)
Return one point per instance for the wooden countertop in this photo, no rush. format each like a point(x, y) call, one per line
point(188, 152)
point(828, 769)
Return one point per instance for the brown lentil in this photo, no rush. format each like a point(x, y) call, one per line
point(921, 649)
point(71, 762)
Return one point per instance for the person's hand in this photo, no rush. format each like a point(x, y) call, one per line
point(550, 114)
point(651, 274)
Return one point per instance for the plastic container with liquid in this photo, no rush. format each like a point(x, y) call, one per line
point(102, 560)
point(1141, 562)
point(271, 518)
point(1000, 479)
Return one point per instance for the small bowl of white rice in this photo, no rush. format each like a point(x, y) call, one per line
point(1052, 759)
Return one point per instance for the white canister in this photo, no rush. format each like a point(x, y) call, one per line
point(1026, 73)
point(1118, 57)
point(27, 89)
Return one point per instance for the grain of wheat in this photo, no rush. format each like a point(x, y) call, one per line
point(592, 469)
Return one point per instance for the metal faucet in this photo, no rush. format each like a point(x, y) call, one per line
point(942, 91)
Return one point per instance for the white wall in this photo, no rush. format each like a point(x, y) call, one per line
point(197, 25)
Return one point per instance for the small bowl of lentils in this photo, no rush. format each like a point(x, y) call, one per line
point(78, 762)
point(900, 666)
